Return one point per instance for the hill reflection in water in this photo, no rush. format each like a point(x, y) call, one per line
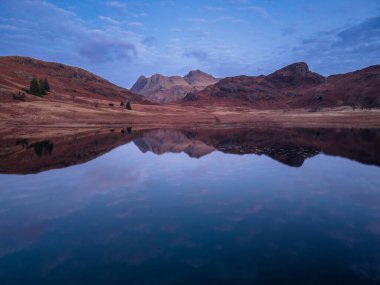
point(292, 147)
point(196, 206)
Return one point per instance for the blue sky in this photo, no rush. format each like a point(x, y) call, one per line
point(121, 40)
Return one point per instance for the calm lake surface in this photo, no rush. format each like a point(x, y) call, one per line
point(191, 207)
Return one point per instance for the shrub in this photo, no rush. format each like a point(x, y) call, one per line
point(35, 87)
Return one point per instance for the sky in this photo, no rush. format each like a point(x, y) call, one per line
point(121, 40)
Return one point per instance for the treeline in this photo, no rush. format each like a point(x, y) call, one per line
point(39, 87)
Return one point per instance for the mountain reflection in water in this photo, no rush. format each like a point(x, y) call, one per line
point(286, 145)
point(196, 206)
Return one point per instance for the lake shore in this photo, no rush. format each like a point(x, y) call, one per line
point(43, 113)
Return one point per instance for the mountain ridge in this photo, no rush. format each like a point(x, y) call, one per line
point(170, 89)
point(294, 86)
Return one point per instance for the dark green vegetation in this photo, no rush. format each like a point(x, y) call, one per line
point(39, 87)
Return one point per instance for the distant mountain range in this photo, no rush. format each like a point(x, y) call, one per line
point(168, 89)
point(293, 86)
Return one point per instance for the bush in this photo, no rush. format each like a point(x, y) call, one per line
point(46, 85)
point(128, 106)
point(35, 87)
point(39, 87)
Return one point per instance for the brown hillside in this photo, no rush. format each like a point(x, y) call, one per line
point(67, 82)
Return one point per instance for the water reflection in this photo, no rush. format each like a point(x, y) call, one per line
point(286, 145)
point(131, 216)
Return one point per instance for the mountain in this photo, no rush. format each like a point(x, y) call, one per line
point(66, 81)
point(293, 86)
point(168, 89)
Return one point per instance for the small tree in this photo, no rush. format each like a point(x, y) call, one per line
point(46, 85)
point(121, 103)
point(128, 106)
point(42, 87)
point(35, 87)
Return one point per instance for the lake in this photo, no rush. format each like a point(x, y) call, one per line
point(194, 206)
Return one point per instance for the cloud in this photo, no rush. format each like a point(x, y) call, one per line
point(116, 4)
point(9, 28)
point(219, 19)
point(343, 49)
point(135, 24)
point(260, 11)
point(105, 50)
point(200, 55)
point(214, 9)
point(196, 20)
point(287, 31)
point(109, 20)
point(239, 1)
point(231, 19)
point(149, 41)
point(87, 44)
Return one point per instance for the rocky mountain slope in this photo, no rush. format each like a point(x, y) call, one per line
point(294, 86)
point(67, 82)
point(168, 89)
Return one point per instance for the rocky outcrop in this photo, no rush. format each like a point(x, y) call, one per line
point(168, 89)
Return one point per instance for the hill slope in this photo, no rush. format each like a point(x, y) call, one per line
point(66, 81)
point(294, 86)
point(167, 89)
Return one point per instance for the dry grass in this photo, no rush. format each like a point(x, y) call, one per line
point(40, 112)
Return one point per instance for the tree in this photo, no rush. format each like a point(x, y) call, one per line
point(369, 102)
point(128, 106)
point(121, 103)
point(35, 87)
point(46, 85)
point(42, 87)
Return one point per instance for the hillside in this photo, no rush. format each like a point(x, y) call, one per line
point(168, 89)
point(68, 83)
point(294, 86)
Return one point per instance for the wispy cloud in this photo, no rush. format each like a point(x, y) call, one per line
point(109, 20)
point(260, 11)
point(9, 28)
point(116, 4)
point(342, 47)
point(214, 9)
point(200, 55)
point(135, 24)
point(67, 30)
point(196, 20)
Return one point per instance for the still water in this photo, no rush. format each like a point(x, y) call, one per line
point(191, 207)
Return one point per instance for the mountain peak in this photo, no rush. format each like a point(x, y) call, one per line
point(295, 74)
point(199, 78)
point(167, 89)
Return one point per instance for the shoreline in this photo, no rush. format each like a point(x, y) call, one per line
point(56, 114)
